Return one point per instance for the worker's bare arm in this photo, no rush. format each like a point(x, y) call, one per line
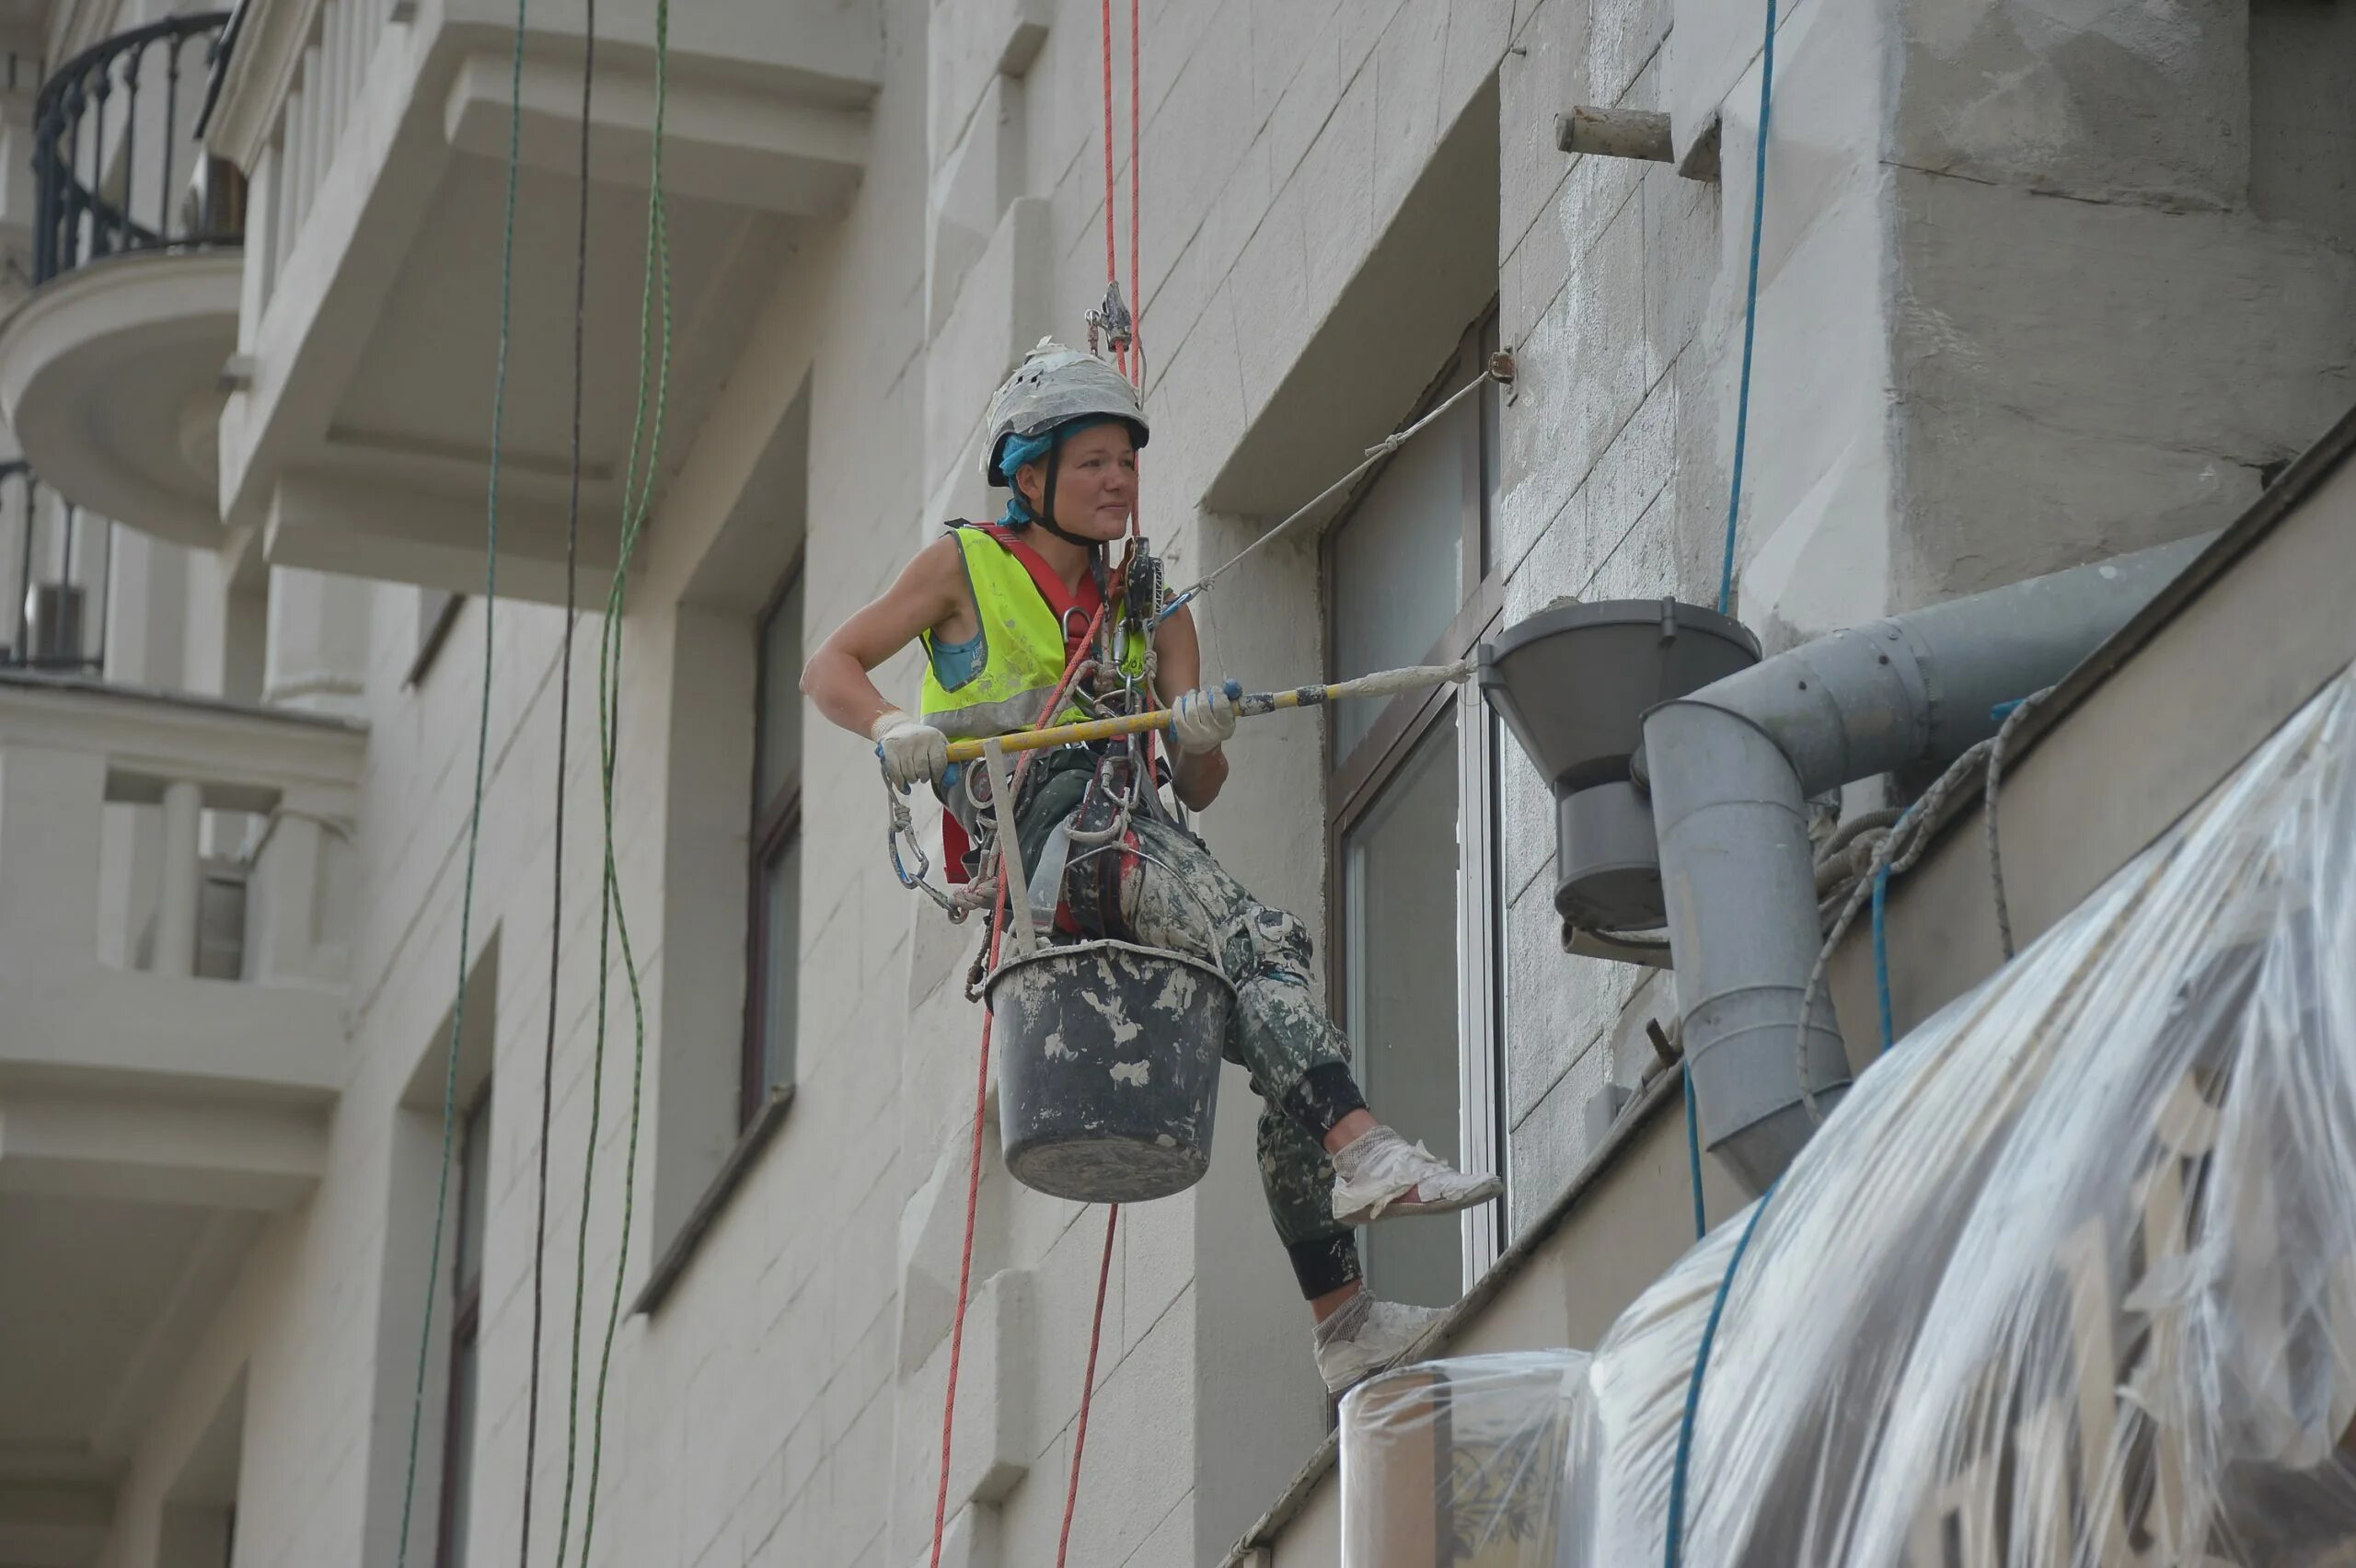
point(930, 595)
point(1178, 659)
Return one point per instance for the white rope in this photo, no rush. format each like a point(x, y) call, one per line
point(1374, 454)
point(1995, 783)
point(1897, 851)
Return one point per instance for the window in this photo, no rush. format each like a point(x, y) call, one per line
point(1410, 816)
point(774, 925)
point(466, 1326)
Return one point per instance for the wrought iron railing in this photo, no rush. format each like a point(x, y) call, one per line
point(58, 560)
point(109, 129)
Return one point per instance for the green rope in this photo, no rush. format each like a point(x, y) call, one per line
point(658, 258)
point(482, 749)
point(613, 923)
point(563, 759)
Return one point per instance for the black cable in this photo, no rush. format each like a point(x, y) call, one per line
point(564, 751)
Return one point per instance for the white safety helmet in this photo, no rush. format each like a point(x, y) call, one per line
point(1052, 387)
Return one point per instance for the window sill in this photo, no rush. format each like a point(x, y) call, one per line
point(730, 1175)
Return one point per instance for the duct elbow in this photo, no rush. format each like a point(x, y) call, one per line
point(1730, 768)
point(1739, 877)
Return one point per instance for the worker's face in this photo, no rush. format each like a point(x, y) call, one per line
point(1097, 485)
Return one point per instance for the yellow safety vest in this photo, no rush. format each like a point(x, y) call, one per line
point(1022, 650)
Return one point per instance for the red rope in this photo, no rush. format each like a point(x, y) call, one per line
point(1112, 262)
point(981, 1100)
point(1088, 1384)
point(1136, 281)
point(998, 928)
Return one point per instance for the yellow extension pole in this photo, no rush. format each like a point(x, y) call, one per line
point(1382, 683)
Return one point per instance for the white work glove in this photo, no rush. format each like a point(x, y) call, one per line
point(1204, 719)
point(913, 751)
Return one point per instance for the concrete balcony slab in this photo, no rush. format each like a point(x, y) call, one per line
point(146, 1054)
point(111, 376)
point(376, 149)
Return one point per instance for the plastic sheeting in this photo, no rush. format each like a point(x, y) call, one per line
point(1466, 1461)
point(2070, 1277)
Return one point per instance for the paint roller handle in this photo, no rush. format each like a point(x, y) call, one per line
point(1382, 683)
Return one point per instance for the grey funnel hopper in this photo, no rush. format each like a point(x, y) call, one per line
point(1731, 766)
point(1572, 683)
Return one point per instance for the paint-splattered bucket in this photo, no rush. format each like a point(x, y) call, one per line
point(1108, 1068)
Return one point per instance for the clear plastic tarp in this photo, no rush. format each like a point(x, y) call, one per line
point(1464, 1461)
point(2068, 1279)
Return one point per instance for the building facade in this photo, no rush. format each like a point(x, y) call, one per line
point(2029, 291)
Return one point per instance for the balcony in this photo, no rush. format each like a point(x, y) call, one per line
point(374, 135)
point(171, 1024)
point(172, 954)
point(111, 370)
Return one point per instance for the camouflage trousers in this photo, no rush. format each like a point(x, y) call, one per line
point(1176, 896)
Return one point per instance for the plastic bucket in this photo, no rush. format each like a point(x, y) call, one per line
point(1108, 1068)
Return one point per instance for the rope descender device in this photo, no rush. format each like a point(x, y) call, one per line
point(1110, 318)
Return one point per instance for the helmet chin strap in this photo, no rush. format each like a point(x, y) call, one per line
point(1047, 511)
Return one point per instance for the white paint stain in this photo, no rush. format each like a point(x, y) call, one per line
point(1132, 1073)
point(1165, 1140)
point(1054, 1046)
point(1177, 991)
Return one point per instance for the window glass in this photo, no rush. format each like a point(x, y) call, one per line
point(474, 1166)
point(780, 762)
point(458, 1425)
point(1399, 875)
point(780, 960)
point(1399, 563)
point(459, 1504)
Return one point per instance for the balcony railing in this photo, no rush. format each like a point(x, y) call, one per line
point(117, 164)
point(175, 920)
point(179, 837)
point(56, 559)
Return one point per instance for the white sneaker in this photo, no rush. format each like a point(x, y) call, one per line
point(1374, 1172)
point(1365, 1335)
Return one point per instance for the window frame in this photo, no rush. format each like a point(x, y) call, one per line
point(465, 1330)
point(776, 828)
point(1355, 783)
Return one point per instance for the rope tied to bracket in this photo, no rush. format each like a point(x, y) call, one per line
point(1500, 369)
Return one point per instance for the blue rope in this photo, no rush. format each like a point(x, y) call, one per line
point(1881, 959)
point(1693, 1155)
point(1750, 313)
point(1677, 1476)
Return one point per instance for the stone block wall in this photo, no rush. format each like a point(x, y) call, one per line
point(1974, 361)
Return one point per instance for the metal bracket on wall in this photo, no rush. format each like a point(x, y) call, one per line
point(1615, 948)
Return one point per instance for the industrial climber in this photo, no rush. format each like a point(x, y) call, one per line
point(1000, 610)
